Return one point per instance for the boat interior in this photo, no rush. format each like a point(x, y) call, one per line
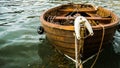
point(65, 14)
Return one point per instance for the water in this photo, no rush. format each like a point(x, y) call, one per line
point(22, 47)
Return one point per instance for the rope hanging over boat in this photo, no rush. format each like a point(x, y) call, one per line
point(79, 24)
point(79, 21)
point(103, 33)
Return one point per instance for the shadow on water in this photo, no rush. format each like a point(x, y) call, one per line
point(107, 59)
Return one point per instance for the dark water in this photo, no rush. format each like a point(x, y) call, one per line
point(22, 47)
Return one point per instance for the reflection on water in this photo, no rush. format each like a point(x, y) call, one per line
point(20, 46)
point(51, 58)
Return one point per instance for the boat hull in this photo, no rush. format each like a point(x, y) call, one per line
point(62, 38)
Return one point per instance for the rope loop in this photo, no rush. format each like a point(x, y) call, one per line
point(79, 22)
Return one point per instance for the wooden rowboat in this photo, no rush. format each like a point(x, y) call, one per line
point(58, 23)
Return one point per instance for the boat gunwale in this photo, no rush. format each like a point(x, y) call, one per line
point(71, 28)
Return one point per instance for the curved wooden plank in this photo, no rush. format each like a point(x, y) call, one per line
point(89, 18)
point(81, 10)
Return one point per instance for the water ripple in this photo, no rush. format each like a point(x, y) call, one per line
point(19, 41)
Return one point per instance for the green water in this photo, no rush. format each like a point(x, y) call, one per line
point(22, 47)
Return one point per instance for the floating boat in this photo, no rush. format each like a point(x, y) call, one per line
point(58, 24)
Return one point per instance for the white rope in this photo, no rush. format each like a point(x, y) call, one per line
point(77, 23)
point(76, 52)
point(80, 21)
point(84, 60)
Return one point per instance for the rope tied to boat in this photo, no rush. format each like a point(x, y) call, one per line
point(81, 21)
point(103, 33)
point(79, 25)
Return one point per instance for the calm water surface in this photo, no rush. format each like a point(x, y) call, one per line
point(22, 47)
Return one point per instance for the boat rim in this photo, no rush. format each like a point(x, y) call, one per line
point(71, 27)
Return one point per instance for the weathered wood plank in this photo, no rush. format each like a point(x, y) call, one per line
point(89, 18)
